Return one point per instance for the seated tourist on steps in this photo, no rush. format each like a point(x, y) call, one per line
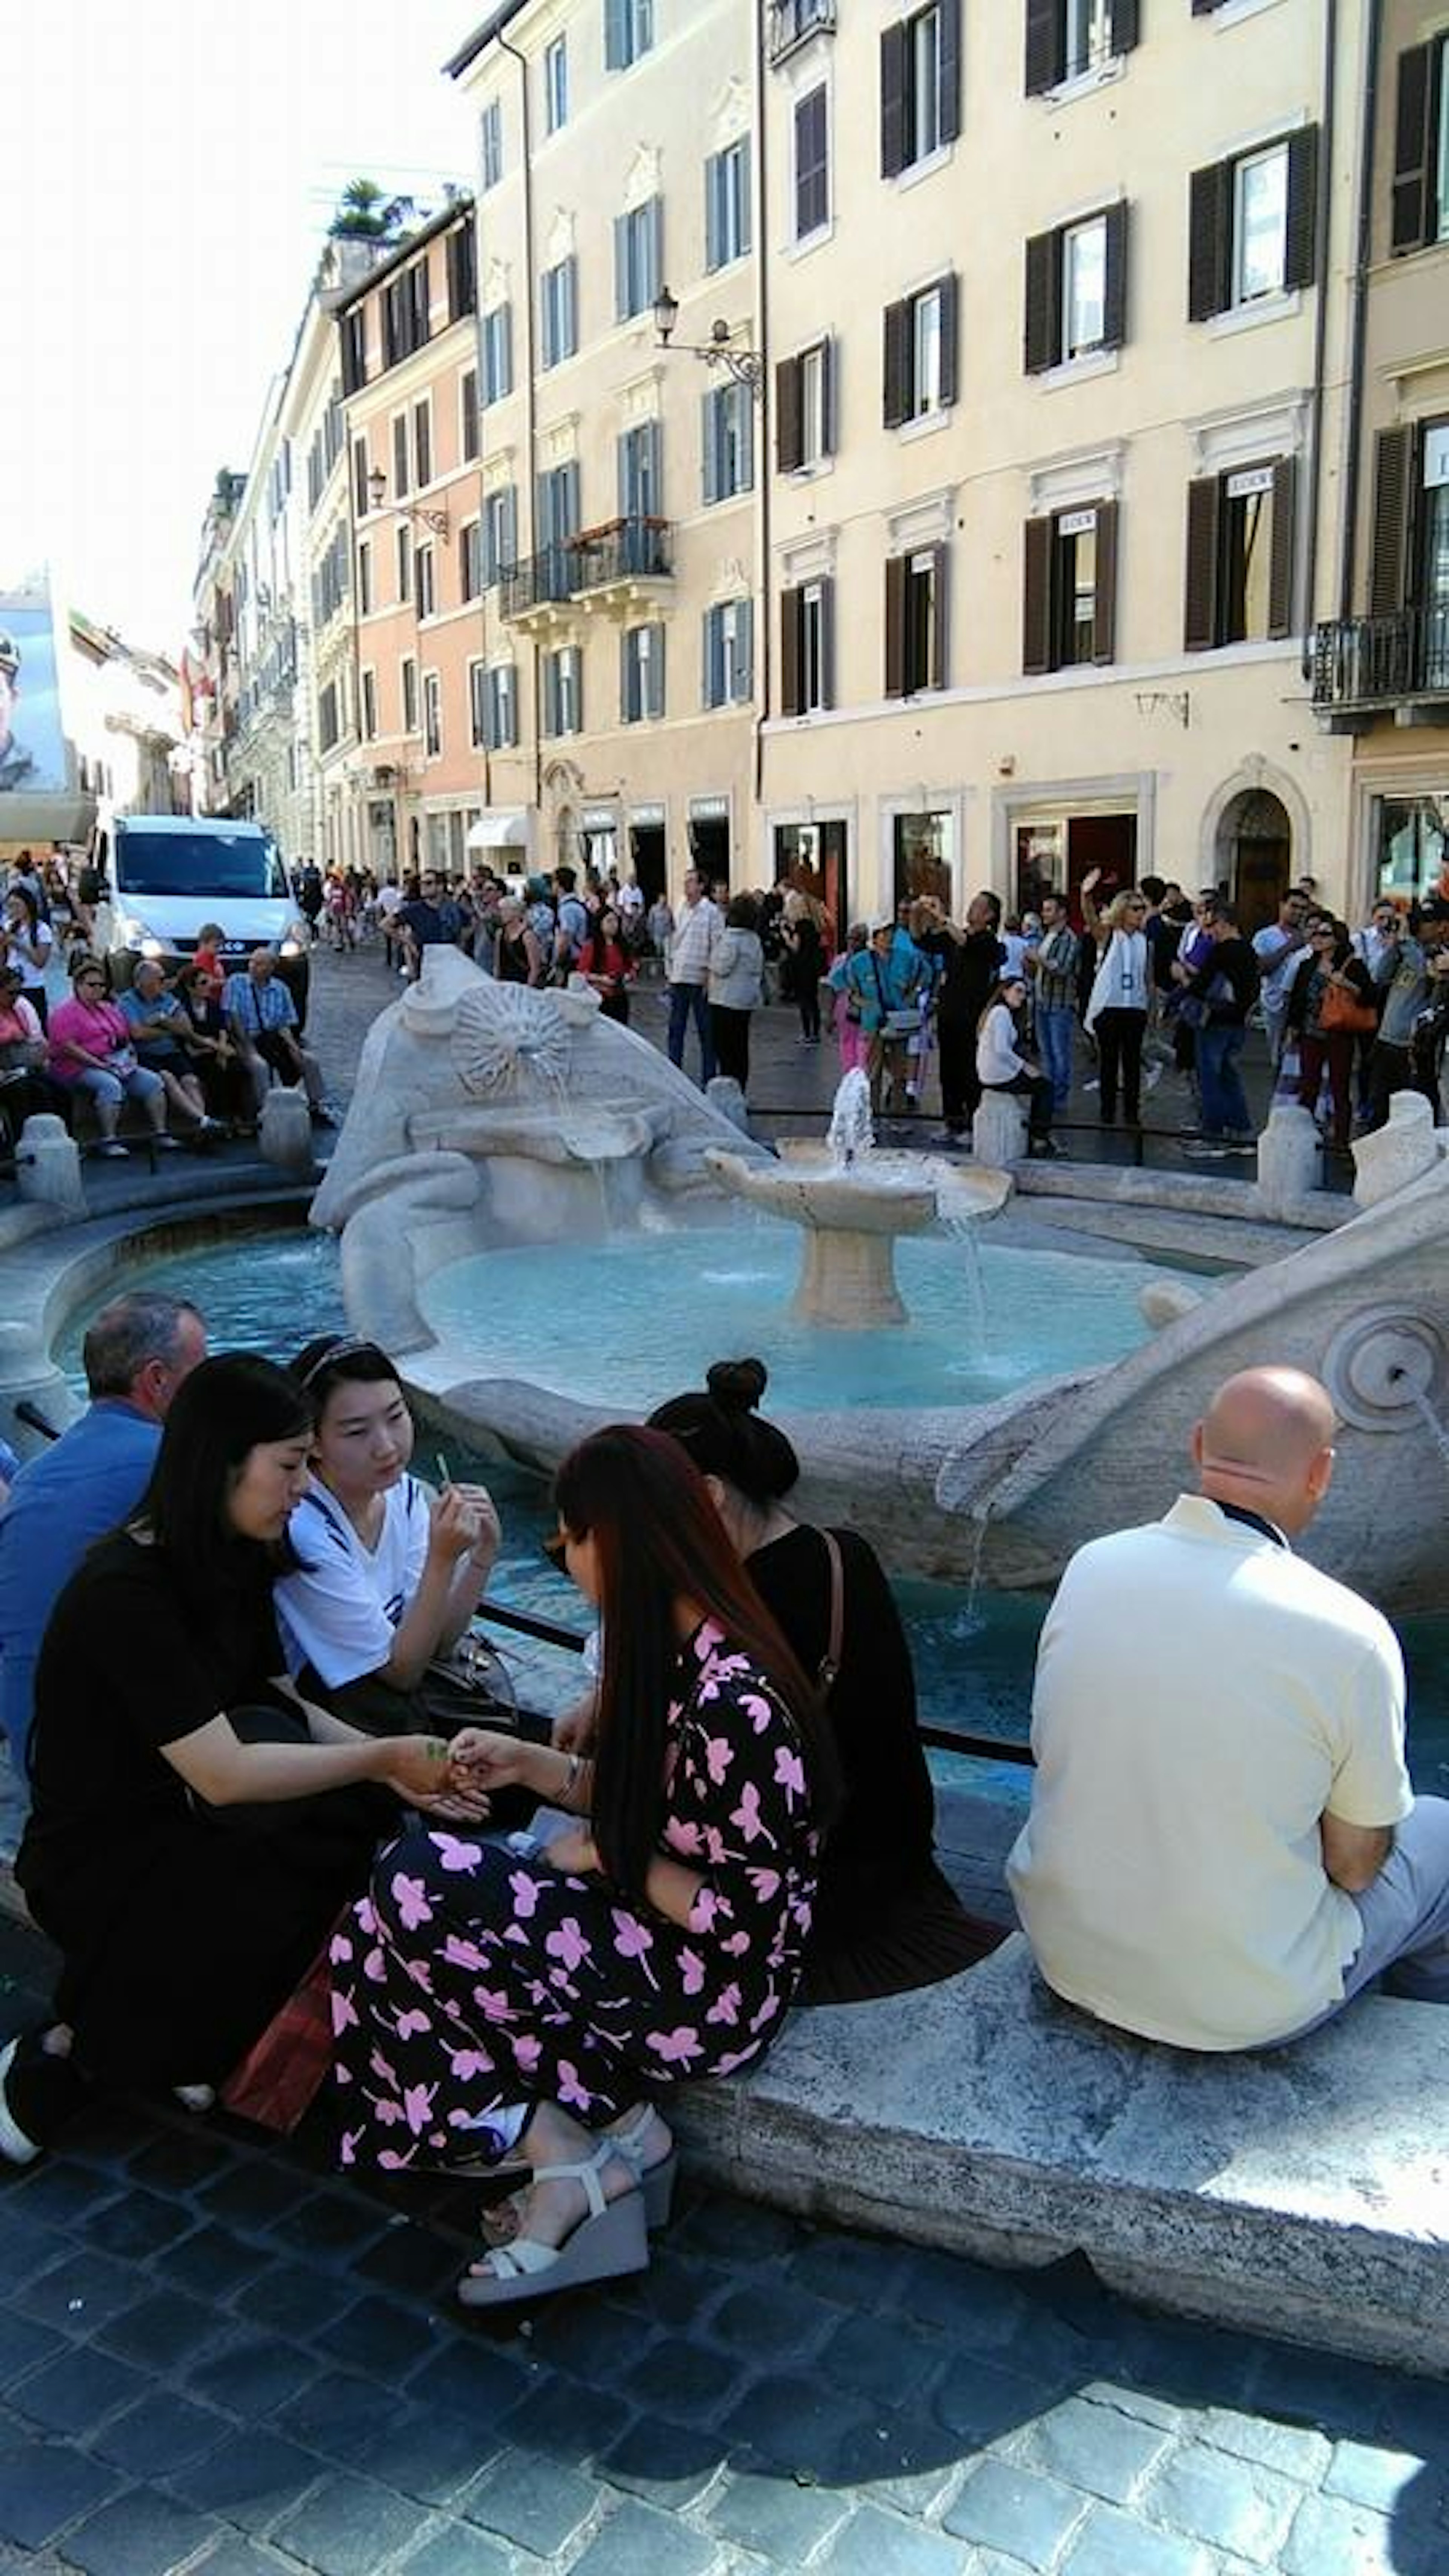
point(196, 1828)
point(885, 1920)
point(1223, 1845)
point(493, 1997)
point(1001, 1065)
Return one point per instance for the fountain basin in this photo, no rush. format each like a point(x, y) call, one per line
point(850, 1216)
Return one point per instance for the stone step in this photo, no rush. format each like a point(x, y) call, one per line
point(1301, 2193)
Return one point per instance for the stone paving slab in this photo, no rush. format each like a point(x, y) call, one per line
point(771, 2397)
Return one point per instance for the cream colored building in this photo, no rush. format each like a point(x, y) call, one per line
point(1381, 671)
point(622, 482)
point(1057, 359)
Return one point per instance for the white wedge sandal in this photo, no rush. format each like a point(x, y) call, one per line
point(610, 2241)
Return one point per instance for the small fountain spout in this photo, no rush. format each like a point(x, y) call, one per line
point(1437, 1430)
point(852, 1131)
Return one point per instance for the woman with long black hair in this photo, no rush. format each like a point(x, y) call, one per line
point(196, 1828)
point(488, 1999)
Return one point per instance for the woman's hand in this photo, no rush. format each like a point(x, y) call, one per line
point(416, 1768)
point(1092, 878)
point(487, 1527)
point(481, 1760)
point(452, 1525)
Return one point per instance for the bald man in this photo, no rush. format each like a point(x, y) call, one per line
point(1223, 1845)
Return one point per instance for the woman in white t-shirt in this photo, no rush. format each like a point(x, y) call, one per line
point(28, 944)
point(391, 1572)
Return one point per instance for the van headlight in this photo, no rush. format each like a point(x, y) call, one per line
point(153, 948)
point(294, 940)
point(133, 933)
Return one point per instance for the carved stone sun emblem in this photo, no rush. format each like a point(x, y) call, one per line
point(504, 1032)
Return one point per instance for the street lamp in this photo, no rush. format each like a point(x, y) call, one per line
point(436, 520)
point(746, 365)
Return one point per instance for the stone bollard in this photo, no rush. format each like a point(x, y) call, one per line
point(724, 1094)
point(47, 1165)
point(1289, 1157)
point(286, 1132)
point(1393, 1156)
point(998, 1130)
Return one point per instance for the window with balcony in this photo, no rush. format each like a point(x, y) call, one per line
point(1068, 40)
point(563, 692)
point(920, 86)
point(805, 409)
point(806, 614)
point(727, 425)
point(560, 313)
point(490, 144)
point(915, 622)
point(728, 653)
point(1240, 556)
point(423, 580)
point(1408, 647)
point(1420, 191)
point(641, 674)
point(1076, 290)
point(408, 693)
point(500, 533)
point(556, 85)
point(638, 258)
point(497, 353)
point(1069, 588)
point(794, 22)
point(920, 354)
point(1251, 226)
point(558, 504)
point(432, 716)
point(811, 133)
point(628, 32)
point(641, 471)
point(727, 204)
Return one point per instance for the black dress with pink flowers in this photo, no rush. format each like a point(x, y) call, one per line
point(473, 1979)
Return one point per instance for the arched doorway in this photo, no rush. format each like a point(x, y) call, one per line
point(1255, 847)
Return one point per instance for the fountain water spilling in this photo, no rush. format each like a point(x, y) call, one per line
point(850, 1201)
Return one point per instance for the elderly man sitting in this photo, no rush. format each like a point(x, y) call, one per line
point(262, 1019)
point(158, 1024)
point(1223, 1845)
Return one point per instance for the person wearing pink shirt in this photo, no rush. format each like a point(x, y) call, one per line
point(91, 1051)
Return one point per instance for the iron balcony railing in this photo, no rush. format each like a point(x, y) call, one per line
point(791, 21)
point(624, 550)
point(1378, 661)
point(550, 574)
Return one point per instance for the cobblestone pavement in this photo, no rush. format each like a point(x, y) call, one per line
point(215, 2355)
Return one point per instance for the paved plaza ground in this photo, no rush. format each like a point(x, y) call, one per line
point(216, 2355)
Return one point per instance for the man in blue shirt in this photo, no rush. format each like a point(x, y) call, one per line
point(262, 1018)
point(135, 1354)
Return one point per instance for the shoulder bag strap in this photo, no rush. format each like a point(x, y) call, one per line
point(829, 1667)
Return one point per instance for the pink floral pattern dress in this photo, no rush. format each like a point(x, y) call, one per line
point(471, 1978)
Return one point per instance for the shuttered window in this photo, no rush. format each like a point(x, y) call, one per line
point(1076, 290)
point(1391, 559)
point(500, 533)
point(727, 653)
point(804, 396)
point(1069, 588)
point(628, 32)
point(1241, 556)
point(1067, 39)
point(563, 691)
point(727, 423)
point(727, 204)
point(1252, 225)
point(560, 316)
point(919, 354)
point(915, 622)
point(641, 673)
point(1420, 196)
point(812, 163)
point(638, 258)
point(920, 86)
point(497, 353)
point(806, 645)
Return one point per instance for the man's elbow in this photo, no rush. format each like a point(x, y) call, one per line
point(1353, 1864)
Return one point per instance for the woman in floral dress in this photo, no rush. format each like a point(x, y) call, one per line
point(488, 1998)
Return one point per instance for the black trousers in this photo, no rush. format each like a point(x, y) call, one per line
point(1119, 1036)
point(731, 1033)
point(1036, 1090)
point(960, 1088)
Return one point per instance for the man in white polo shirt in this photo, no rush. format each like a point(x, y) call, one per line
point(1223, 1844)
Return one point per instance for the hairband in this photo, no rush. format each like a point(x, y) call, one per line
point(346, 1347)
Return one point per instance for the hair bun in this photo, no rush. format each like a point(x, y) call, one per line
point(737, 1385)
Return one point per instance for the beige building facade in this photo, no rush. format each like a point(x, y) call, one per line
point(1057, 431)
point(1381, 664)
point(621, 480)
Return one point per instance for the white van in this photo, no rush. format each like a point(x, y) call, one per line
point(168, 873)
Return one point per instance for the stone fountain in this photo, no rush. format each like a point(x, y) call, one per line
point(850, 1202)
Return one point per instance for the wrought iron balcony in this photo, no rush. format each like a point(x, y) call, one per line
point(538, 582)
point(624, 550)
point(1363, 665)
point(791, 21)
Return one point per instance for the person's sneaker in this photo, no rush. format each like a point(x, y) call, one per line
point(15, 2146)
point(167, 1144)
point(112, 1153)
point(1207, 1148)
point(195, 2097)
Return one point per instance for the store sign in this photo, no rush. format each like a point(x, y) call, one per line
point(709, 809)
point(1253, 478)
point(646, 816)
point(600, 818)
point(1076, 523)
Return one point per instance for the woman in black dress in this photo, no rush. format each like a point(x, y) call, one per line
point(196, 1828)
point(885, 1920)
point(800, 929)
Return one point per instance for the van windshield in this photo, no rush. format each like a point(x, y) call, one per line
point(212, 864)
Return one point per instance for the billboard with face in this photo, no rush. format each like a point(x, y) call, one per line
point(32, 743)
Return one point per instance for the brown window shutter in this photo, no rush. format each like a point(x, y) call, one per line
point(950, 337)
point(895, 149)
point(940, 631)
point(789, 652)
point(1038, 542)
point(1415, 124)
point(1209, 240)
point(1200, 612)
point(1114, 319)
point(1124, 26)
point(787, 416)
point(950, 69)
point(895, 626)
point(1104, 618)
point(1043, 331)
point(1043, 45)
point(1281, 567)
point(897, 364)
point(1300, 244)
point(1394, 457)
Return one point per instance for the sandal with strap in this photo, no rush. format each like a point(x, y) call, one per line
point(611, 2240)
point(656, 2182)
